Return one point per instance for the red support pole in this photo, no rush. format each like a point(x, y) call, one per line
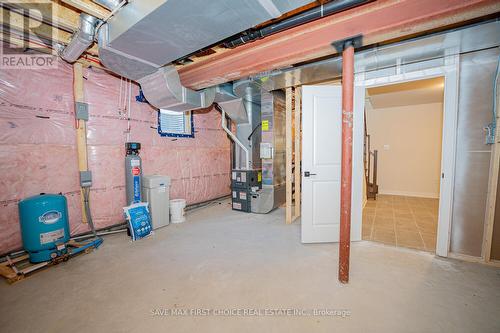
point(346, 176)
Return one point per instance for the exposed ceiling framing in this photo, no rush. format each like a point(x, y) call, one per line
point(378, 22)
point(57, 26)
point(88, 7)
point(65, 17)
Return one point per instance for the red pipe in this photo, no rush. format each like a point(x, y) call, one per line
point(346, 173)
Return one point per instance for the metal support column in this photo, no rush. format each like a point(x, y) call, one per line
point(346, 173)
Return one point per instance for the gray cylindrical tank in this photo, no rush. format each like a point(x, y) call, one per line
point(133, 172)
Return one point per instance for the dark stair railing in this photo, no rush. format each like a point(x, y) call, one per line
point(368, 155)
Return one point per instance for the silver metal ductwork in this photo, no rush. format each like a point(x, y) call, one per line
point(235, 109)
point(272, 153)
point(161, 31)
point(82, 39)
point(109, 4)
point(144, 36)
point(164, 90)
point(244, 112)
point(122, 63)
point(248, 132)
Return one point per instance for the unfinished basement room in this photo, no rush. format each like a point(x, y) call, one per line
point(250, 166)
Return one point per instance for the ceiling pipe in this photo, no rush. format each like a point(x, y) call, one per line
point(81, 39)
point(296, 20)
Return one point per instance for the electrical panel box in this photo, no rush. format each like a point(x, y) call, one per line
point(85, 178)
point(82, 111)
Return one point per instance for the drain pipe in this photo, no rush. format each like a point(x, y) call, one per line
point(315, 13)
point(233, 137)
point(82, 39)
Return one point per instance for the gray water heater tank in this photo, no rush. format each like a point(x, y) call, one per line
point(133, 172)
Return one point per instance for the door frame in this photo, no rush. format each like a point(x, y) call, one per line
point(450, 72)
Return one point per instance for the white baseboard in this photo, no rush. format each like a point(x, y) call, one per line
point(468, 258)
point(410, 194)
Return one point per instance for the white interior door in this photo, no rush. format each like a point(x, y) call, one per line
point(321, 165)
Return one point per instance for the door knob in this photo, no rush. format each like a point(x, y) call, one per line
point(307, 174)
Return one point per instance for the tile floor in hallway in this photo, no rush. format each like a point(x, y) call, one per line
point(402, 221)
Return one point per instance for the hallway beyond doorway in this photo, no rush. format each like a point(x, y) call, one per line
point(402, 221)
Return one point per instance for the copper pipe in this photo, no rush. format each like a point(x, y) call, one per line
point(346, 173)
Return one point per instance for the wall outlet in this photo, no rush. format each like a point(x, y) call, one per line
point(387, 147)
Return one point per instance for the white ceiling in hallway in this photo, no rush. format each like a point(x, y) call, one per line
point(408, 93)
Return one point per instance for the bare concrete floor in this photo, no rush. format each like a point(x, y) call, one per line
point(220, 259)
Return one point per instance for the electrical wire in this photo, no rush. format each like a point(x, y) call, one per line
point(86, 200)
point(253, 131)
point(495, 97)
point(495, 90)
point(120, 96)
point(129, 109)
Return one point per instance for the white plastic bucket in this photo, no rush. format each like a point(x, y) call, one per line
point(177, 210)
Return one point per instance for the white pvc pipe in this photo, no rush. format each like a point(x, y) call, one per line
point(128, 109)
point(235, 139)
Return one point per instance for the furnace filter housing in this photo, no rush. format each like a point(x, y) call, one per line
point(133, 172)
point(44, 225)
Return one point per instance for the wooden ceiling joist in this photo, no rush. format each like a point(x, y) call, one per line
point(378, 21)
point(88, 7)
point(59, 16)
point(44, 29)
point(18, 42)
point(21, 23)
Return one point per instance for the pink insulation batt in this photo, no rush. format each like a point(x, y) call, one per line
point(38, 147)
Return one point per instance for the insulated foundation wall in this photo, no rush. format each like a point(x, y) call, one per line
point(38, 147)
point(475, 105)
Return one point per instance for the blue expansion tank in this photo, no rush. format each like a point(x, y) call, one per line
point(44, 225)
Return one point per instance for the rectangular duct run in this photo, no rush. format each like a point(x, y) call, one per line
point(164, 90)
point(161, 31)
point(144, 36)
